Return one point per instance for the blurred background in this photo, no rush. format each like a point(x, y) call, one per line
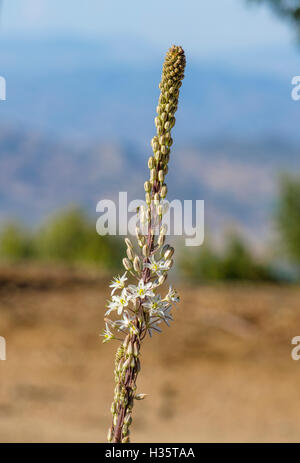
point(82, 87)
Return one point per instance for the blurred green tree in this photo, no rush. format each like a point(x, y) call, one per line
point(287, 9)
point(72, 238)
point(16, 243)
point(234, 263)
point(287, 217)
point(69, 237)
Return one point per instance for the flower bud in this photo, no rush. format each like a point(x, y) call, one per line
point(145, 250)
point(147, 186)
point(157, 156)
point(161, 176)
point(153, 175)
point(169, 253)
point(109, 435)
point(155, 146)
point(127, 264)
point(128, 419)
point(156, 199)
point(161, 240)
point(130, 253)
point(140, 396)
point(162, 279)
point(148, 198)
point(137, 264)
point(128, 243)
point(129, 349)
point(169, 263)
point(151, 162)
point(164, 191)
point(126, 364)
point(164, 149)
point(135, 350)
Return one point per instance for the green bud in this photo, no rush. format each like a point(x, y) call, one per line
point(161, 176)
point(148, 198)
point(164, 191)
point(147, 186)
point(151, 162)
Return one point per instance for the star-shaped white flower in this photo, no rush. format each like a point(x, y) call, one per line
point(172, 295)
point(118, 283)
point(142, 290)
point(156, 266)
point(118, 303)
point(107, 334)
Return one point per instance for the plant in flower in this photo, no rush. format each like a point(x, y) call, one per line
point(139, 304)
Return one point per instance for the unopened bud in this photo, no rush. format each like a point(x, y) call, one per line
point(161, 240)
point(126, 364)
point(169, 253)
point(148, 198)
point(147, 186)
point(137, 264)
point(128, 243)
point(127, 264)
point(160, 210)
point(130, 253)
point(161, 176)
point(157, 156)
point(164, 191)
point(145, 250)
point(128, 419)
point(140, 396)
point(153, 175)
point(156, 199)
point(129, 349)
point(169, 263)
point(109, 435)
point(135, 350)
point(151, 162)
point(162, 279)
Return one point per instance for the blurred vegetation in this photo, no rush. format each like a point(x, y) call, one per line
point(287, 217)
point(287, 9)
point(235, 262)
point(69, 237)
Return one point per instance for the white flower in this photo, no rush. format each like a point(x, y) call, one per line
point(142, 290)
point(118, 283)
point(154, 304)
point(118, 303)
point(126, 323)
point(154, 327)
point(156, 266)
point(107, 334)
point(172, 295)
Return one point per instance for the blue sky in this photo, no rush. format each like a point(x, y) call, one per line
point(204, 27)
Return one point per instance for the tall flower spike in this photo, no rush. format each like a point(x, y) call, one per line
point(141, 305)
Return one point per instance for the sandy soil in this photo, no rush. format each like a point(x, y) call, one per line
point(223, 371)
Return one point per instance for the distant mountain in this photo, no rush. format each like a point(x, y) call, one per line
point(237, 179)
point(108, 90)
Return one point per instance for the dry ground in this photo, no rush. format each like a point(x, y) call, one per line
point(222, 372)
